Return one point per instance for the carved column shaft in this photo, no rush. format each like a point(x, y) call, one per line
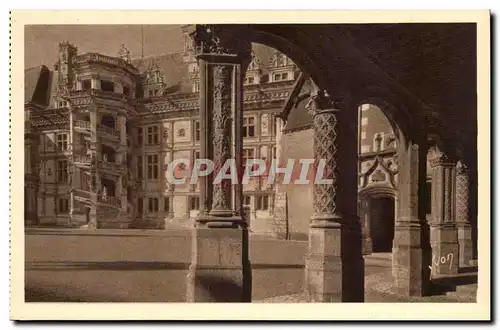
point(464, 229)
point(220, 237)
point(334, 264)
point(221, 137)
point(444, 240)
point(411, 257)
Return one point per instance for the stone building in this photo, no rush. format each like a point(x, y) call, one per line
point(130, 119)
point(101, 130)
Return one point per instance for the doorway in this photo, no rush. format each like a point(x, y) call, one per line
point(382, 223)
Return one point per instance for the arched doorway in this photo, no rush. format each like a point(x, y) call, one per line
point(381, 213)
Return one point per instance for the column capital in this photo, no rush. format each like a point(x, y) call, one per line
point(462, 168)
point(211, 39)
point(443, 159)
point(320, 102)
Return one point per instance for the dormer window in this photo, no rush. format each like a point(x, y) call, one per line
point(196, 87)
point(280, 76)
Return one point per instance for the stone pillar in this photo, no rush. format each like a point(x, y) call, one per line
point(411, 253)
point(122, 160)
point(220, 269)
point(71, 168)
point(95, 181)
point(334, 269)
point(443, 231)
point(464, 228)
point(364, 213)
point(95, 82)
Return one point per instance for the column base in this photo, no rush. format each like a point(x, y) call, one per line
point(445, 249)
point(411, 260)
point(334, 272)
point(220, 270)
point(465, 246)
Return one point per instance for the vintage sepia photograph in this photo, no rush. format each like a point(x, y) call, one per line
point(279, 164)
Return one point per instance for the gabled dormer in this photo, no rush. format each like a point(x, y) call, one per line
point(281, 68)
point(153, 81)
point(254, 71)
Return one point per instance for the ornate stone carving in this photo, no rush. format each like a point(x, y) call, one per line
point(462, 193)
point(217, 40)
point(153, 75)
point(221, 123)
point(326, 146)
point(166, 135)
point(124, 54)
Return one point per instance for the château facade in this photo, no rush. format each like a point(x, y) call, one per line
point(101, 130)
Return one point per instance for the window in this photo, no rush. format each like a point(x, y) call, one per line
point(262, 203)
point(62, 141)
point(197, 155)
point(62, 171)
point(196, 87)
point(107, 86)
point(153, 135)
point(139, 205)
point(86, 84)
point(194, 203)
point(247, 154)
point(246, 200)
point(250, 80)
point(153, 167)
point(139, 168)
point(280, 76)
point(166, 204)
point(63, 205)
point(126, 91)
point(248, 126)
point(152, 204)
point(139, 136)
point(197, 131)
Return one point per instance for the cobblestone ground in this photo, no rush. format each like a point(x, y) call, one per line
point(138, 273)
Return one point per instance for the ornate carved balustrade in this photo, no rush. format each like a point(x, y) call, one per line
point(82, 159)
point(111, 166)
point(82, 124)
point(110, 200)
point(99, 58)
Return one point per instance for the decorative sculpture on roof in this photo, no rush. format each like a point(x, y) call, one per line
point(153, 75)
point(254, 63)
point(124, 54)
point(217, 40)
point(280, 60)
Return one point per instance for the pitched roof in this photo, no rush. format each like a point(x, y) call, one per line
point(36, 85)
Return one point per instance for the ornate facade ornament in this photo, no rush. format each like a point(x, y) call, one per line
point(221, 123)
point(255, 64)
point(153, 75)
point(124, 54)
point(280, 60)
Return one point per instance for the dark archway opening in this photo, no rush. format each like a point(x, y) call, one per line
point(382, 223)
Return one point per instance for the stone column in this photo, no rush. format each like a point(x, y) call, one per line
point(411, 253)
point(364, 214)
point(443, 231)
point(464, 228)
point(72, 168)
point(95, 181)
point(95, 82)
point(122, 160)
point(334, 269)
point(220, 269)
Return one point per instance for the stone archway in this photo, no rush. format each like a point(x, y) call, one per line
point(334, 262)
